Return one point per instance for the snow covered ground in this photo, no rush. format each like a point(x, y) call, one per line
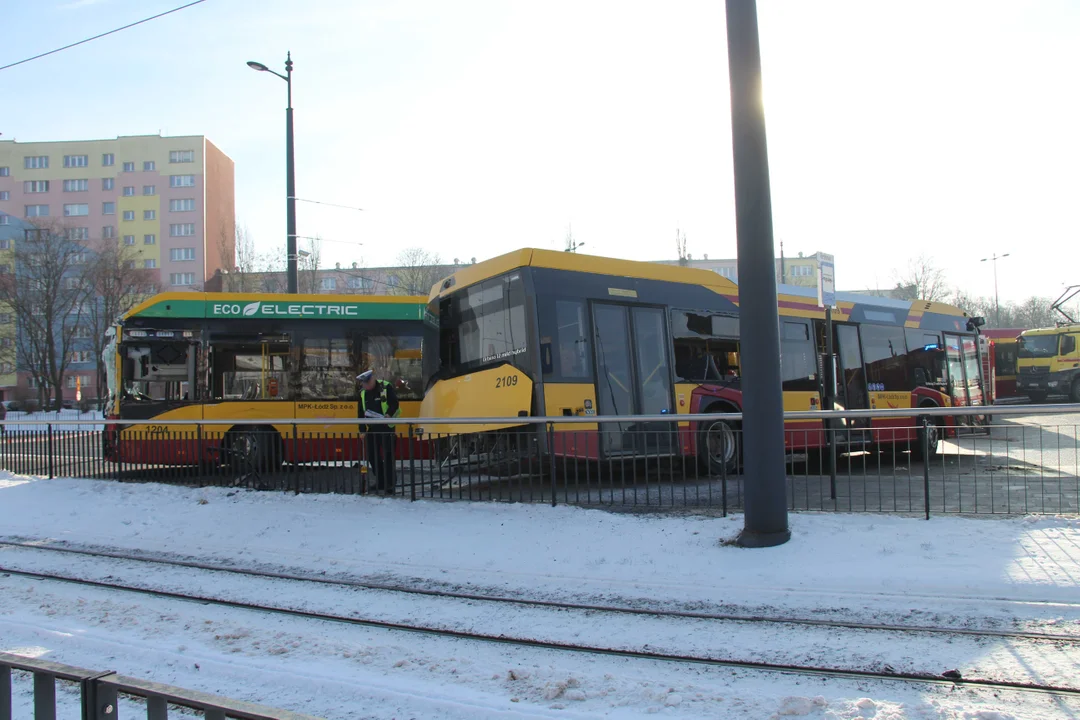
point(956, 572)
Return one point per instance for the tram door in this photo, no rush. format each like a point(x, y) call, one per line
point(633, 376)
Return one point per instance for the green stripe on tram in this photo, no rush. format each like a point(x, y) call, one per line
point(306, 310)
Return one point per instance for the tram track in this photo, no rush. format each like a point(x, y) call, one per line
point(886, 674)
point(414, 590)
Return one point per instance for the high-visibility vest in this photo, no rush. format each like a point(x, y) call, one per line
point(385, 404)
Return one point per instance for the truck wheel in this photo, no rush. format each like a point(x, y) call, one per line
point(1075, 394)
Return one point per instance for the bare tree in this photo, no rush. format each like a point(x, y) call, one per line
point(236, 242)
point(272, 268)
point(923, 280)
point(308, 266)
point(1035, 312)
point(116, 281)
point(47, 293)
point(680, 247)
point(418, 270)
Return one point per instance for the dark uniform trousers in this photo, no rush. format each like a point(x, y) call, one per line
point(379, 448)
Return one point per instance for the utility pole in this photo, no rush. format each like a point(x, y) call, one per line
point(997, 307)
point(766, 521)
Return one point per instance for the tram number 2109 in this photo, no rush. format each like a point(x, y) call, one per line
point(506, 381)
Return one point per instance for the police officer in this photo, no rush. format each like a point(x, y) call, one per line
point(378, 399)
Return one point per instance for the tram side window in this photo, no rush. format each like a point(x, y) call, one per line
point(252, 368)
point(798, 361)
point(885, 355)
point(327, 369)
point(706, 347)
point(396, 359)
point(573, 339)
point(926, 358)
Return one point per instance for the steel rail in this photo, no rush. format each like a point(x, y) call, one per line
point(784, 668)
point(551, 604)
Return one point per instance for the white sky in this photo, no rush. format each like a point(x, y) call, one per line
point(473, 128)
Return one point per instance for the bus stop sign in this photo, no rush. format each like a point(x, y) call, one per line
point(826, 288)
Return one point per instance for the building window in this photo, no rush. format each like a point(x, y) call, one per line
point(181, 181)
point(149, 189)
point(129, 167)
point(5, 318)
point(182, 205)
point(36, 186)
point(329, 283)
point(182, 279)
point(359, 283)
point(182, 254)
point(79, 233)
point(129, 215)
point(5, 195)
point(108, 208)
point(81, 332)
point(108, 232)
point(149, 239)
point(36, 162)
point(129, 239)
point(76, 161)
point(71, 283)
point(8, 368)
point(150, 264)
point(149, 214)
point(76, 185)
point(108, 160)
point(6, 342)
point(37, 211)
point(5, 171)
point(149, 166)
point(128, 191)
point(76, 210)
point(4, 221)
point(130, 264)
point(108, 183)
point(5, 243)
point(82, 356)
point(182, 229)
point(181, 156)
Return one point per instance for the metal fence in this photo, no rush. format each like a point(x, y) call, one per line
point(1004, 459)
point(100, 694)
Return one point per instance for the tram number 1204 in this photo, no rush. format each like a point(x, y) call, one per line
point(506, 381)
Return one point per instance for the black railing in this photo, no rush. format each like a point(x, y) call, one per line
point(100, 692)
point(1005, 459)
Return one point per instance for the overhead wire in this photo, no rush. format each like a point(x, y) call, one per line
point(101, 35)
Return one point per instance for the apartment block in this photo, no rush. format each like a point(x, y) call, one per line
point(169, 199)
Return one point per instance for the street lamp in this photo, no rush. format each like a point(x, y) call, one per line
point(290, 174)
point(997, 308)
